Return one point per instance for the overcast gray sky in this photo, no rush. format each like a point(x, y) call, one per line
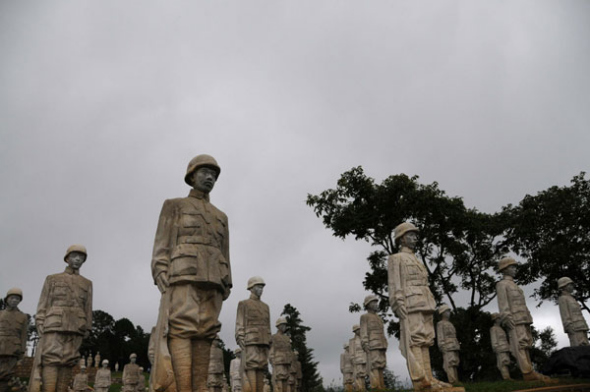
point(102, 105)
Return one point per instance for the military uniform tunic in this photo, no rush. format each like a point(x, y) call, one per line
point(102, 381)
point(572, 319)
point(253, 328)
point(359, 357)
point(280, 356)
point(131, 377)
point(500, 346)
point(346, 369)
point(192, 249)
point(373, 337)
point(80, 382)
point(64, 313)
point(13, 340)
point(215, 379)
point(448, 344)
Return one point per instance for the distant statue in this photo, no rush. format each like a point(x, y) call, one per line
point(253, 336)
point(191, 267)
point(374, 342)
point(448, 344)
point(413, 303)
point(131, 376)
point(116, 366)
point(516, 318)
point(80, 383)
point(13, 337)
point(97, 359)
point(280, 356)
point(216, 370)
point(89, 360)
point(346, 368)
point(235, 374)
point(102, 381)
point(141, 380)
point(500, 346)
point(62, 328)
point(359, 359)
point(572, 319)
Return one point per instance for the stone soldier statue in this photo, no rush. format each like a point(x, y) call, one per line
point(102, 381)
point(80, 383)
point(216, 371)
point(13, 336)
point(191, 268)
point(346, 369)
point(235, 373)
point(131, 376)
point(374, 342)
point(116, 366)
point(359, 359)
point(413, 303)
point(500, 346)
point(280, 356)
point(64, 318)
point(253, 336)
point(97, 360)
point(516, 318)
point(89, 360)
point(573, 322)
point(448, 344)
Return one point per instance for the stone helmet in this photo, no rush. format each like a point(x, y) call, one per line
point(200, 161)
point(561, 282)
point(505, 263)
point(495, 316)
point(133, 356)
point(14, 291)
point(83, 366)
point(369, 299)
point(75, 248)
point(281, 320)
point(237, 350)
point(105, 361)
point(443, 308)
point(402, 229)
point(356, 327)
point(253, 281)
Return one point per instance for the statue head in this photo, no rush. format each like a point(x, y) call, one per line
point(406, 234)
point(205, 180)
point(14, 296)
point(281, 324)
point(507, 266)
point(356, 329)
point(133, 358)
point(565, 284)
point(83, 369)
point(256, 285)
point(371, 303)
point(105, 363)
point(444, 311)
point(76, 256)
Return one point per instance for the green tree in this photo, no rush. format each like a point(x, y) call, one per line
point(550, 232)
point(312, 381)
point(458, 246)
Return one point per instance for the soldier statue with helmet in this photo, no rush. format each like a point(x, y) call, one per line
point(191, 267)
point(500, 346)
point(374, 342)
point(359, 359)
point(216, 380)
point(572, 319)
point(13, 336)
point(102, 380)
point(413, 303)
point(131, 375)
point(280, 356)
point(448, 344)
point(516, 318)
point(235, 371)
point(63, 319)
point(346, 369)
point(253, 336)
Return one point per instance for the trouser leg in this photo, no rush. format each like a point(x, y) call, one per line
point(181, 355)
point(49, 379)
point(201, 353)
point(505, 373)
point(64, 378)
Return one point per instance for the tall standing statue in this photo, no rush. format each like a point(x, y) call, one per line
point(253, 336)
point(573, 322)
point(89, 360)
point(131, 376)
point(97, 360)
point(102, 381)
point(346, 369)
point(413, 303)
point(359, 359)
point(500, 346)
point(216, 371)
point(13, 336)
point(80, 383)
point(280, 356)
point(374, 342)
point(516, 318)
point(448, 344)
point(64, 318)
point(191, 268)
point(235, 372)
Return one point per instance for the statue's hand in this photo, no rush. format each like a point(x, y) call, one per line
point(226, 293)
point(241, 343)
point(40, 328)
point(162, 282)
point(401, 312)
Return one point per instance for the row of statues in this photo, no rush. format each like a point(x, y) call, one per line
point(191, 268)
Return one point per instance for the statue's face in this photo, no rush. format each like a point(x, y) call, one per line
point(373, 306)
point(75, 260)
point(357, 332)
point(12, 301)
point(257, 289)
point(104, 365)
point(204, 179)
point(82, 370)
point(569, 288)
point(410, 239)
point(446, 315)
point(510, 270)
point(282, 327)
point(133, 359)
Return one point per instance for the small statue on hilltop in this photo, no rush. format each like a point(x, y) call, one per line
point(280, 356)
point(13, 337)
point(235, 374)
point(448, 344)
point(131, 375)
point(216, 370)
point(374, 342)
point(102, 381)
point(80, 383)
point(346, 368)
point(572, 319)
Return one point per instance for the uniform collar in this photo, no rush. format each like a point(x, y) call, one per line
point(508, 277)
point(566, 293)
point(254, 297)
point(69, 270)
point(405, 249)
point(198, 194)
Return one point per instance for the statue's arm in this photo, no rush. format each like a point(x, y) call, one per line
point(395, 285)
point(240, 330)
point(504, 306)
point(162, 246)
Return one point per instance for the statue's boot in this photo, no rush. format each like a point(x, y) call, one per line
point(376, 377)
point(532, 376)
point(422, 382)
point(436, 383)
point(201, 354)
point(181, 355)
point(64, 378)
point(49, 378)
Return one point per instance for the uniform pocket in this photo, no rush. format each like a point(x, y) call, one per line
point(53, 318)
